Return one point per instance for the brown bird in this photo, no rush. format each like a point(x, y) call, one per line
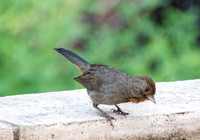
point(110, 86)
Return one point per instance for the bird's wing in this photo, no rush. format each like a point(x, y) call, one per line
point(100, 76)
point(87, 80)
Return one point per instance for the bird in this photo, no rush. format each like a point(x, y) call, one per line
point(110, 86)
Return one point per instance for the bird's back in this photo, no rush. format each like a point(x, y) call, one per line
point(100, 76)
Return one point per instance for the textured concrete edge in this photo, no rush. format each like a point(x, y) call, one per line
point(180, 125)
point(8, 131)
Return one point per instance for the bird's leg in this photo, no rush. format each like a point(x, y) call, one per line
point(104, 114)
point(119, 111)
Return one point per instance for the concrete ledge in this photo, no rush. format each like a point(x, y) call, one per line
point(6, 131)
point(70, 115)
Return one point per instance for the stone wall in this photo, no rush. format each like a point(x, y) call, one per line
point(70, 115)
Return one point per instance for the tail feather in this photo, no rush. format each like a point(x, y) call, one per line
point(81, 64)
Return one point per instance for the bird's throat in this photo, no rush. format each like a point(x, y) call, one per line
point(137, 100)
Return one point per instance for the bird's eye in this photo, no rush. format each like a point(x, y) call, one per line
point(146, 89)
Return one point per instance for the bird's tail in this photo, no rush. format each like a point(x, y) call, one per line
point(81, 64)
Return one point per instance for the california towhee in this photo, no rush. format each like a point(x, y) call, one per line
point(110, 86)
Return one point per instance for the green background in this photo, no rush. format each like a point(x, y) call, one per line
point(160, 39)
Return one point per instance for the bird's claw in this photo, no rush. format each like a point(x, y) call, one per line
point(109, 119)
point(120, 112)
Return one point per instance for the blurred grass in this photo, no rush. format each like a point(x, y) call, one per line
point(153, 38)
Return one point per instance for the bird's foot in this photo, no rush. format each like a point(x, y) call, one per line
point(104, 114)
point(108, 118)
point(120, 112)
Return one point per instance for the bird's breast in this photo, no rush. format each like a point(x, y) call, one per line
point(137, 100)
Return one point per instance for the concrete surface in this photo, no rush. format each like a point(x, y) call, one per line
point(70, 115)
point(6, 131)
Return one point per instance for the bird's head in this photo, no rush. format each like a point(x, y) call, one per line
point(143, 89)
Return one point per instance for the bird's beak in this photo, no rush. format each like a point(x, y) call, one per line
point(151, 98)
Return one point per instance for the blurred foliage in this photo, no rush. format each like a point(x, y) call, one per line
point(160, 39)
